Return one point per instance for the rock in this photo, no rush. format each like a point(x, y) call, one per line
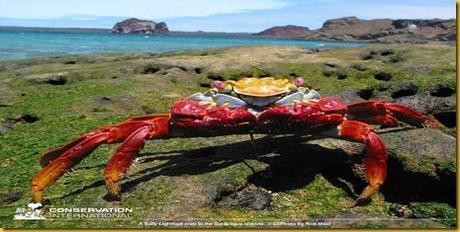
point(403, 89)
point(70, 61)
point(148, 68)
point(420, 147)
point(442, 90)
point(198, 70)
point(121, 104)
point(286, 31)
point(386, 52)
point(360, 67)
point(330, 69)
point(426, 157)
point(422, 156)
point(10, 197)
point(95, 59)
point(366, 94)
point(8, 97)
point(178, 74)
point(384, 55)
point(349, 96)
point(134, 25)
point(402, 38)
point(26, 118)
point(342, 75)
point(5, 126)
point(385, 30)
point(153, 68)
point(401, 211)
point(205, 85)
point(49, 78)
point(56, 80)
point(421, 165)
point(331, 65)
point(382, 76)
point(251, 197)
point(8, 123)
point(215, 77)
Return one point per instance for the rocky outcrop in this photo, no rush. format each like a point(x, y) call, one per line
point(286, 31)
point(137, 26)
point(386, 30)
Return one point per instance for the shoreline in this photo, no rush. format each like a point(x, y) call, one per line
point(71, 43)
point(107, 31)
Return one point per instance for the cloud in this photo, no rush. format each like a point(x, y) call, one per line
point(53, 9)
point(370, 11)
point(312, 14)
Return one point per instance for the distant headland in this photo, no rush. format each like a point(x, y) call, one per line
point(377, 30)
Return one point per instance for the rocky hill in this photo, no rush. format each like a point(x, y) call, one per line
point(286, 31)
point(134, 25)
point(386, 30)
point(376, 30)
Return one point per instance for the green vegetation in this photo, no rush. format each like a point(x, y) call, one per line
point(186, 177)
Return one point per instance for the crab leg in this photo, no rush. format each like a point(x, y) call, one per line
point(58, 160)
point(123, 157)
point(375, 154)
point(388, 114)
point(54, 169)
point(117, 133)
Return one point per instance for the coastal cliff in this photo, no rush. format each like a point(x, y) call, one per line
point(383, 30)
point(137, 26)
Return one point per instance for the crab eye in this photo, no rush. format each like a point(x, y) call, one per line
point(299, 81)
point(218, 84)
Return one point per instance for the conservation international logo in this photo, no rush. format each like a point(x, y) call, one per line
point(35, 212)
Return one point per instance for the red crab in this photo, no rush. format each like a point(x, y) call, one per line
point(250, 105)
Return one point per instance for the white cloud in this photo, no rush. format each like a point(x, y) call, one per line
point(48, 9)
point(401, 11)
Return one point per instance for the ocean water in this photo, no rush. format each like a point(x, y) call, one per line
point(19, 45)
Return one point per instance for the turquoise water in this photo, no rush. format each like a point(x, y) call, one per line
point(18, 45)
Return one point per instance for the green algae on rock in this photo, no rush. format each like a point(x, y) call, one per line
point(223, 178)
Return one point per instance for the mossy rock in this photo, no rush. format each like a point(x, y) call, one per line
point(185, 178)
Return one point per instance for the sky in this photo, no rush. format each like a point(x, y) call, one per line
point(213, 15)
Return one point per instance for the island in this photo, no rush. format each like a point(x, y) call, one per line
point(138, 26)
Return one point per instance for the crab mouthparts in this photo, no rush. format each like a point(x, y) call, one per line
point(260, 101)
